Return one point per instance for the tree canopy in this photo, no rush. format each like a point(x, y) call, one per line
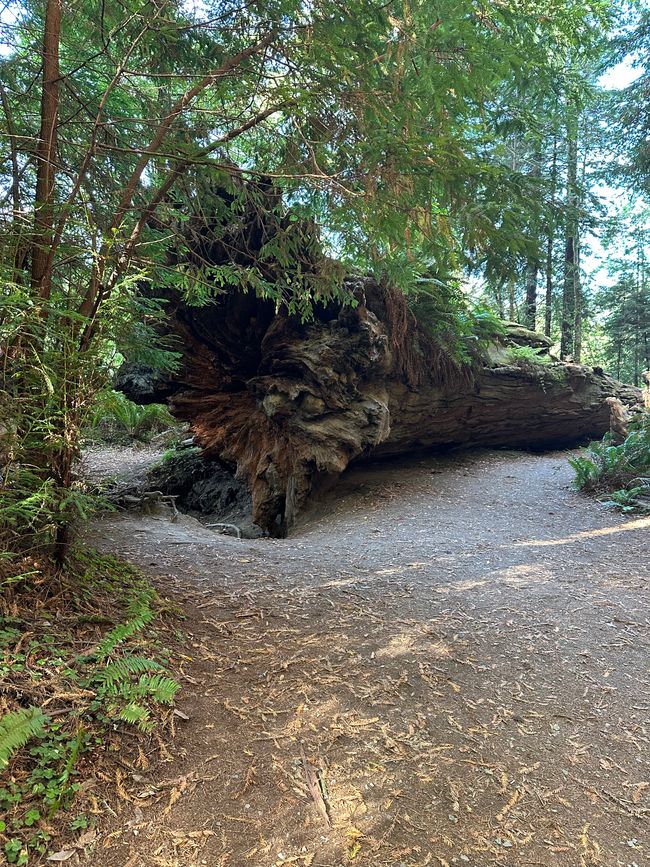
point(444, 145)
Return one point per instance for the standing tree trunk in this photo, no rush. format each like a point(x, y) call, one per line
point(41, 272)
point(578, 303)
point(530, 316)
point(532, 265)
point(548, 301)
point(550, 243)
point(567, 343)
point(498, 292)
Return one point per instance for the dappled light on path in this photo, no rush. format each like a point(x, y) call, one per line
point(638, 524)
point(454, 698)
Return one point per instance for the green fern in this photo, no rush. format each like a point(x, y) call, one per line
point(523, 355)
point(127, 700)
point(621, 470)
point(117, 418)
point(136, 714)
point(122, 632)
point(16, 729)
point(585, 469)
point(120, 670)
point(157, 687)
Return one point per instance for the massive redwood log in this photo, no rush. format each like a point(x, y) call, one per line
point(289, 403)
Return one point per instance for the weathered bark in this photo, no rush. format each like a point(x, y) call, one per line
point(548, 302)
point(289, 403)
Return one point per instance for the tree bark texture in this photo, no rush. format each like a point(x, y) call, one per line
point(290, 404)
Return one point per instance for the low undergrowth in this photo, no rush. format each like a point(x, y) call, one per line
point(619, 474)
point(118, 420)
point(84, 673)
point(523, 355)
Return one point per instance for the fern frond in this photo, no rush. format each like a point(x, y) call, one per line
point(122, 669)
point(16, 729)
point(136, 714)
point(159, 688)
point(123, 632)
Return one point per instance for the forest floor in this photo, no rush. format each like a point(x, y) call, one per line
point(446, 664)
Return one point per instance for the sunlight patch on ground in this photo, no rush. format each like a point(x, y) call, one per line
point(639, 524)
point(348, 581)
point(395, 570)
point(462, 586)
point(523, 574)
point(397, 646)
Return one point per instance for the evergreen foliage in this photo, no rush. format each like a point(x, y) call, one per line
point(117, 419)
point(625, 304)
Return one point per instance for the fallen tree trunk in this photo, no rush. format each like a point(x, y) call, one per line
point(289, 403)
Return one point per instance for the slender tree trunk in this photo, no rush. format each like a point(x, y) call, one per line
point(550, 243)
point(13, 148)
point(498, 291)
point(637, 315)
point(571, 236)
point(20, 249)
point(548, 301)
point(568, 300)
point(532, 265)
point(642, 292)
point(61, 459)
point(644, 286)
point(41, 272)
point(512, 306)
point(578, 304)
point(530, 313)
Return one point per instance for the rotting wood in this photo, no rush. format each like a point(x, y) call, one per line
point(290, 405)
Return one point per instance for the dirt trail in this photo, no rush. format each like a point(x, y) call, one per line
point(453, 652)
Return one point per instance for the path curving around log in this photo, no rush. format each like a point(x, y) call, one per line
point(454, 652)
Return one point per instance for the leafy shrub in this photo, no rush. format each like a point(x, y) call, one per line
point(485, 324)
point(621, 473)
point(53, 385)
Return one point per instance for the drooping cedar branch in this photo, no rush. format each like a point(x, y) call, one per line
point(100, 286)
